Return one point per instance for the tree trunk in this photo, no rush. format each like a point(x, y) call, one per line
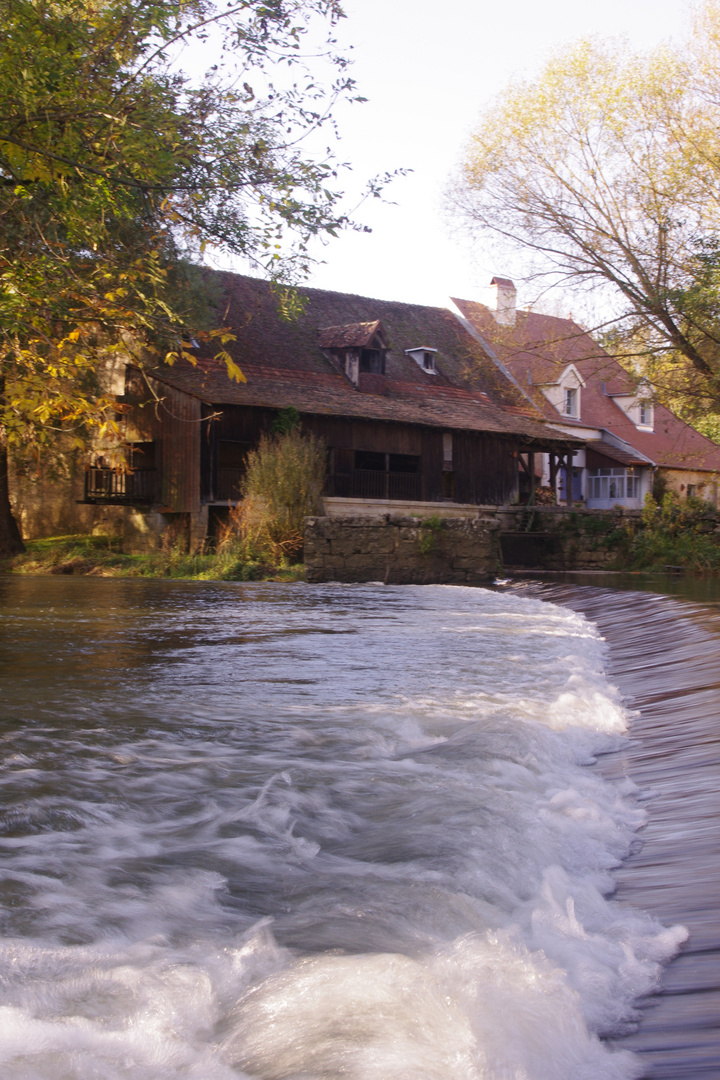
point(10, 538)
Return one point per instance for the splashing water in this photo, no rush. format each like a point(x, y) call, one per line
point(290, 832)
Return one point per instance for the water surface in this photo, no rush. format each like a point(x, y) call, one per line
point(310, 832)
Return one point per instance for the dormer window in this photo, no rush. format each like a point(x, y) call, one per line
point(570, 401)
point(424, 357)
point(645, 413)
point(373, 361)
point(357, 349)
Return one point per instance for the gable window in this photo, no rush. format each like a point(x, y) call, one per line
point(570, 401)
point(645, 410)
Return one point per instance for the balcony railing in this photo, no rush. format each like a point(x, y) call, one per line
point(121, 488)
point(377, 484)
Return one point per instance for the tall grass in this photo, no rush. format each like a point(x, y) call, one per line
point(282, 486)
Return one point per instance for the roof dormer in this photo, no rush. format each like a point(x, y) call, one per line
point(424, 357)
point(638, 407)
point(356, 348)
point(565, 393)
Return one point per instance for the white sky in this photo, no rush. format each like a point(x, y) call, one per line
point(428, 67)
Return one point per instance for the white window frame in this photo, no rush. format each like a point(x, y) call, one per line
point(646, 415)
point(571, 401)
point(613, 483)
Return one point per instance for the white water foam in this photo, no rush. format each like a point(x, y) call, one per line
point(304, 833)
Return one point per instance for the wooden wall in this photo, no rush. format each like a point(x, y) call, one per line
point(484, 466)
point(171, 419)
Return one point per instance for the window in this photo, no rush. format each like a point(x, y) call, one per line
point(613, 484)
point(570, 401)
point(691, 491)
point(447, 451)
point(372, 361)
point(424, 357)
point(646, 413)
point(633, 484)
point(370, 459)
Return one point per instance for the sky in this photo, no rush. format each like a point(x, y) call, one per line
point(428, 69)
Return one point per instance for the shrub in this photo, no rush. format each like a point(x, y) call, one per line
point(282, 486)
point(675, 533)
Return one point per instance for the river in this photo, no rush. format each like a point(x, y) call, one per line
point(302, 832)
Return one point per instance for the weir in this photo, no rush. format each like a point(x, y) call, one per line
point(665, 658)
point(268, 831)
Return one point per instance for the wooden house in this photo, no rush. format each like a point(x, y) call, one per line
point(414, 414)
point(630, 439)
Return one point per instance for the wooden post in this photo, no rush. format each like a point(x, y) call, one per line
point(553, 471)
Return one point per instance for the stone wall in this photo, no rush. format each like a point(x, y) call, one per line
point(418, 550)
point(562, 538)
point(397, 549)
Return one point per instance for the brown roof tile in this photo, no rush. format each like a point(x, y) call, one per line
point(538, 348)
point(354, 335)
point(285, 365)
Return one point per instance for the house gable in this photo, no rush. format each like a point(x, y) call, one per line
point(564, 394)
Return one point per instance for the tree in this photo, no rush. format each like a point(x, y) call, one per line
point(117, 169)
point(606, 170)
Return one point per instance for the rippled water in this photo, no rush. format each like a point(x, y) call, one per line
point(311, 832)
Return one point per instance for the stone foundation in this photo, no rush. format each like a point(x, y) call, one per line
point(562, 538)
point(401, 550)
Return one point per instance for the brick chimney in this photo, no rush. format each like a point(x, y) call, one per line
point(503, 299)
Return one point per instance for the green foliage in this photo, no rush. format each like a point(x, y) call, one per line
point(285, 421)
point(116, 168)
point(430, 530)
point(604, 169)
point(674, 533)
point(102, 556)
point(283, 485)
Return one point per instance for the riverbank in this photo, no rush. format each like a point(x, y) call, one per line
point(102, 556)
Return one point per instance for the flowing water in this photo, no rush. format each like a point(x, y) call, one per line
point(665, 656)
point(294, 832)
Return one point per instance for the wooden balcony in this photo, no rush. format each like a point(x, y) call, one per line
point(115, 488)
point(376, 484)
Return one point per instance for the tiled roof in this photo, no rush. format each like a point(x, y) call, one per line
point(285, 365)
point(538, 348)
point(354, 335)
point(616, 453)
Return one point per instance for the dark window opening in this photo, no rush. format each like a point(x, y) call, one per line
point(448, 485)
point(404, 463)
point(369, 459)
point(107, 483)
point(231, 465)
point(372, 474)
point(373, 361)
point(232, 455)
point(142, 455)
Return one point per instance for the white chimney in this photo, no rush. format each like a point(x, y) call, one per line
point(503, 298)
